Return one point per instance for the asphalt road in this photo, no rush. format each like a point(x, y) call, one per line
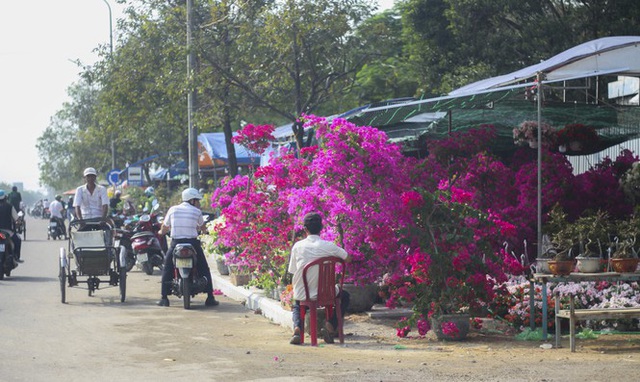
point(98, 338)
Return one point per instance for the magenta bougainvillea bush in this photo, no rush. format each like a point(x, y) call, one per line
point(440, 233)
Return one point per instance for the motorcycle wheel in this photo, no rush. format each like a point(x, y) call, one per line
point(131, 262)
point(186, 293)
point(147, 268)
point(123, 284)
point(63, 284)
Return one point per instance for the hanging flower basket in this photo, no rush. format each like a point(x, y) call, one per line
point(527, 134)
point(577, 136)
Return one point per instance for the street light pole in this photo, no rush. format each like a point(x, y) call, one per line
point(113, 146)
point(192, 133)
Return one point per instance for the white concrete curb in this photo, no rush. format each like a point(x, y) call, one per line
point(254, 299)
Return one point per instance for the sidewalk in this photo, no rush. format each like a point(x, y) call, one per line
point(255, 299)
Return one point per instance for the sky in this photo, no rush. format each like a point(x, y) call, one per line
point(41, 40)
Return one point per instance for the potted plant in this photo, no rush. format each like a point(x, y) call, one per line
point(577, 136)
point(452, 264)
point(527, 134)
point(593, 232)
point(562, 264)
point(625, 256)
point(211, 244)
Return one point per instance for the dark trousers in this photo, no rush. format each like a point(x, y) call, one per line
point(17, 245)
point(333, 320)
point(201, 265)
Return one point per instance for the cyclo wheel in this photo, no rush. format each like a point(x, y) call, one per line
point(62, 275)
point(123, 283)
point(63, 284)
point(186, 292)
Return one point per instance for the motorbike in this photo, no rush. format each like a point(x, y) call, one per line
point(46, 214)
point(21, 226)
point(7, 259)
point(56, 230)
point(186, 280)
point(122, 238)
point(148, 246)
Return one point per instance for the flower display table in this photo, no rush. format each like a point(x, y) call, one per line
point(577, 277)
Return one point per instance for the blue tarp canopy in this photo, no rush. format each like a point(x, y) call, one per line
point(177, 169)
point(216, 147)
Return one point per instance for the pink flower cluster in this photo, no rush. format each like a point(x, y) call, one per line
point(256, 138)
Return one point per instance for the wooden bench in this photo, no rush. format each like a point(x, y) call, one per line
point(574, 315)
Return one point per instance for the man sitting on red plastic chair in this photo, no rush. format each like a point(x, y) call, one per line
point(304, 252)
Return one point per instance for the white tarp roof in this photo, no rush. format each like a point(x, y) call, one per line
point(618, 55)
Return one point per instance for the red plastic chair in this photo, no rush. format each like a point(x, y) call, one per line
point(326, 296)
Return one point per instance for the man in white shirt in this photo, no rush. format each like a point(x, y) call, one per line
point(184, 221)
point(303, 252)
point(91, 200)
point(56, 209)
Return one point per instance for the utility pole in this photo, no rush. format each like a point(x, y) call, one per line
point(113, 146)
point(193, 132)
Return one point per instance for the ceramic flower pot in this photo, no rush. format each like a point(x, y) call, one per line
point(542, 265)
point(561, 268)
point(451, 327)
point(588, 264)
point(624, 265)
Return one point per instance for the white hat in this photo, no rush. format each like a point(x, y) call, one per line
point(89, 171)
point(190, 193)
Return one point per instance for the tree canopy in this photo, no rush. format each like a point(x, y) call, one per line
point(272, 61)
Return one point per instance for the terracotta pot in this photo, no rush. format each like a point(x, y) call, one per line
point(561, 268)
point(461, 322)
point(625, 265)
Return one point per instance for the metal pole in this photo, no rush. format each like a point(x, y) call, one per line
point(539, 249)
point(113, 146)
point(193, 134)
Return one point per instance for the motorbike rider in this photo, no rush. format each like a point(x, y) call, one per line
point(114, 202)
point(149, 194)
point(57, 209)
point(15, 198)
point(8, 217)
point(184, 221)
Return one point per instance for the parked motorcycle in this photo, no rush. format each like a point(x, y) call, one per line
point(147, 244)
point(7, 258)
point(56, 230)
point(186, 280)
point(122, 238)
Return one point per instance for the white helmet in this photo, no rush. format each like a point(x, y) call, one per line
point(190, 193)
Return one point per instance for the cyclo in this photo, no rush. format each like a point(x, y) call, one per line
point(93, 254)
